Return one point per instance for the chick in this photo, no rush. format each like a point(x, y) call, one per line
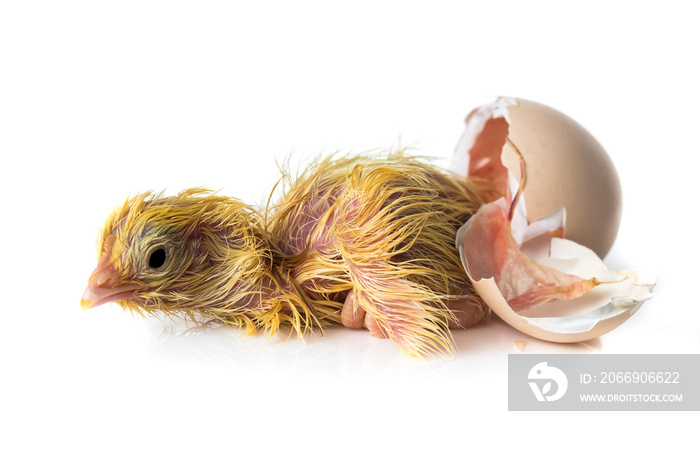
point(355, 241)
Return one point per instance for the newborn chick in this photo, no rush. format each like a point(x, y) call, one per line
point(358, 241)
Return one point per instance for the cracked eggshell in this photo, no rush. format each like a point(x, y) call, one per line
point(566, 167)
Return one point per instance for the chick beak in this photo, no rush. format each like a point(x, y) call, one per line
point(104, 287)
point(104, 284)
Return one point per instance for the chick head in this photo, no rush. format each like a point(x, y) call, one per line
point(184, 253)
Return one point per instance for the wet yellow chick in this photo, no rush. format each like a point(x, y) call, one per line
point(358, 241)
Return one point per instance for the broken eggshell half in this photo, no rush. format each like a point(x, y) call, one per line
point(546, 286)
point(566, 167)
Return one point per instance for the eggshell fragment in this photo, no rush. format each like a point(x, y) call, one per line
point(591, 315)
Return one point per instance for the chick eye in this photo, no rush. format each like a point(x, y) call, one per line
point(157, 259)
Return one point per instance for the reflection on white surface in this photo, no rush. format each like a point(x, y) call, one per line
point(340, 352)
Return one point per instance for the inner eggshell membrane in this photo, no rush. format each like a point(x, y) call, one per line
point(541, 284)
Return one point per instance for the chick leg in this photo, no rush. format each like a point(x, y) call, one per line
point(393, 307)
point(354, 317)
point(466, 314)
point(394, 230)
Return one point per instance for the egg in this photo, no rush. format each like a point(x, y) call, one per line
point(566, 166)
point(553, 203)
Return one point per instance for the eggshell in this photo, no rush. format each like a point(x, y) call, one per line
point(566, 166)
point(544, 175)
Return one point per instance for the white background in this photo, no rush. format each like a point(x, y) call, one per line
point(102, 100)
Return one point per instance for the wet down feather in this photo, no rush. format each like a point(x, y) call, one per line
point(363, 241)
